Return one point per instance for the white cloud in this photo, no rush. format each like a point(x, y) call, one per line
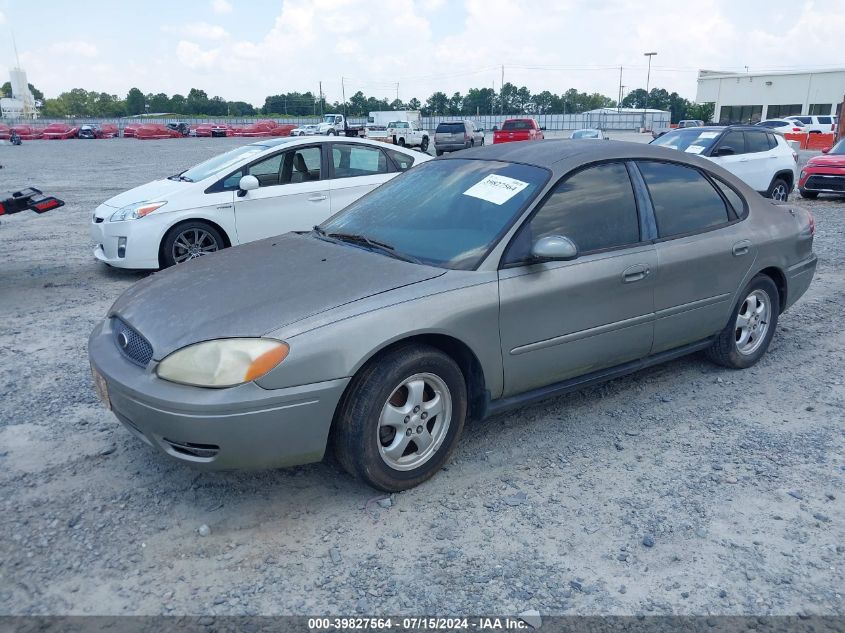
point(221, 6)
point(2, 18)
point(74, 47)
point(192, 55)
point(204, 30)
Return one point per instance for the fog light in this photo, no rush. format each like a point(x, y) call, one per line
point(121, 247)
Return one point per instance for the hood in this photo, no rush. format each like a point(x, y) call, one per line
point(827, 160)
point(150, 192)
point(253, 289)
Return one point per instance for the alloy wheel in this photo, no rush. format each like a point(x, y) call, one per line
point(752, 322)
point(414, 421)
point(193, 243)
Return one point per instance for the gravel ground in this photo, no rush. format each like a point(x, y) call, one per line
point(686, 488)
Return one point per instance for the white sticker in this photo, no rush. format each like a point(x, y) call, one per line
point(709, 134)
point(496, 189)
point(694, 149)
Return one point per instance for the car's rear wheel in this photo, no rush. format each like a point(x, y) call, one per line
point(810, 195)
point(401, 142)
point(747, 336)
point(401, 417)
point(439, 152)
point(778, 190)
point(188, 241)
point(424, 144)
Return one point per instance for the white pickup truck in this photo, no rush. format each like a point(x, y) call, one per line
point(408, 134)
point(337, 125)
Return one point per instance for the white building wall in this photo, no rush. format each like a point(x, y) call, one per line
point(776, 89)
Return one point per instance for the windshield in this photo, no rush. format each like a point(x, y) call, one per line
point(691, 140)
point(585, 134)
point(839, 148)
point(329, 118)
point(223, 161)
point(445, 213)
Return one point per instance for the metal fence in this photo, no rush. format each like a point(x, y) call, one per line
point(603, 120)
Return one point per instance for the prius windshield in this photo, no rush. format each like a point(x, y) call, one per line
point(445, 213)
point(221, 162)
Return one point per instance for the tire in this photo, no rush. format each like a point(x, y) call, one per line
point(778, 190)
point(332, 133)
point(362, 435)
point(401, 142)
point(810, 195)
point(206, 238)
point(737, 347)
point(472, 143)
point(424, 144)
point(482, 140)
point(439, 152)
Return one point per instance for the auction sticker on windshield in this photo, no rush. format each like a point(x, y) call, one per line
point(496, 189)
point(695, 149)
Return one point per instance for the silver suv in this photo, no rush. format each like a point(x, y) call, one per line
point(451, 136)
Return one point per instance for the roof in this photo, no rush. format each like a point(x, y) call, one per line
point(715, 74)
point(560, 155)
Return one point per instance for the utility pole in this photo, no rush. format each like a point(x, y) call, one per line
point(647, 79)
point(321, 98)
point(397, 91)
point(502, 87)
point(619, 102)
point(343, 93)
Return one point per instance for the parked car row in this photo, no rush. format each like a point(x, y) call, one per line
point(393, 314)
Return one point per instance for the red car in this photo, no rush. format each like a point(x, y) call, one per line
point(28, 132)
point(5, 132)
point(213, 129)
point(825, 173)
point(155, 131)
point(518, 130)
point(60, 131)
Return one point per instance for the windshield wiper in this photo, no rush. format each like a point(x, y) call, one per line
point(180, 178)
point(363, 240)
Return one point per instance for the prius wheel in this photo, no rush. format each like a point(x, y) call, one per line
point(747, 336)
point(189, 241)
point(779, 190)
point(401, 417)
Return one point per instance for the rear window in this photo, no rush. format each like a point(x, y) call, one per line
point(450, 128)
point(519, 124)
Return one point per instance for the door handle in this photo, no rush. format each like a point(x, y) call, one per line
point(741, 248)
point(637, 272)
point(317, 198)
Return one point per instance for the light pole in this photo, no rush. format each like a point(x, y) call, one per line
point(647, 79)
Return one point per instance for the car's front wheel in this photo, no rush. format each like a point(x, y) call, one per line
point(188, 241)
point(747, 336)
point(779, 190)
point(401, 417)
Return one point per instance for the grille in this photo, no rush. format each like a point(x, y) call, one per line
point(835, 183)
point(134, 346)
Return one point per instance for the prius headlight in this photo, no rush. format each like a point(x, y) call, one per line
point(223, 362)
point(135, 210)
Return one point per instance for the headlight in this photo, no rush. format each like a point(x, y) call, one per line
point(224, 362)
point(135, 211)
point(803, 174)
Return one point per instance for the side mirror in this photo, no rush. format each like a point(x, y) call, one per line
point(555, 247)
point(543, 128)
point(247, 183)
point(825, 150)
point(725, 151)
point(481, 129)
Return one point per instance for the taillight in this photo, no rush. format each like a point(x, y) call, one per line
point(466, 137)
point(812, 223)
point(796, 129)
point(2, 209)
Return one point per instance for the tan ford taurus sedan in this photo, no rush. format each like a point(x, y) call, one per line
point(466, 286)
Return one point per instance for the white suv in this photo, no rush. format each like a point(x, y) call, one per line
point(816, 124)
point(760, 157)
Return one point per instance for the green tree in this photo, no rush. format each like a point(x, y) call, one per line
point(456, 104)
point(177, 104)
point(159, 102)
point(397, 104)
point(635, 99)
point(53, 108)
point(437, 104)
point(135, 102)
point(479, 101)
point(678, 106)
point(414, 104)
point(701, 111)
point(197, 102)
point(543, 102)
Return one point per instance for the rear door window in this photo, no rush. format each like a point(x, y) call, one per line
point(350, 161)
point(756, 142)
point(684, 201)
point(825, 120)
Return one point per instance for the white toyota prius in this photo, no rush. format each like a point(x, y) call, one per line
point(259, 190)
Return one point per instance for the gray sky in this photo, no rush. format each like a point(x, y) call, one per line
point(246, 50)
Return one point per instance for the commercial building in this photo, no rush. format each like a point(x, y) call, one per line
point(752, 97)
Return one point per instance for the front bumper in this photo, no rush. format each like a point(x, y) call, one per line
point(142, 239)
point(824, 182)
point(242, 427)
